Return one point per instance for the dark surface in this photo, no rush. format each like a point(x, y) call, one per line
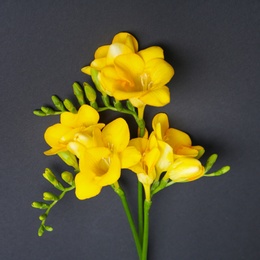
point(214, 48)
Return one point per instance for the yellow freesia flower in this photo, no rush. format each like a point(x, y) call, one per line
point(156, 158)
point(185, 169)
point(101, 159)
point(59, 135)
point(178, 140)
point(122, 43)
point(140, 77)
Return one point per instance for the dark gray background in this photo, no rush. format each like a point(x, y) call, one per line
point(214, 48)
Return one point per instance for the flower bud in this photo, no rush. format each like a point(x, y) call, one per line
point(58, 103)
point(40, 205)
point(185, 169)
point(67, 177)
point(210, 162)
point(78, 92)
point(69, 159)
point(39, 112)
point(90, 92)
point(47, 111)
point(68, 104)
point(50, 196)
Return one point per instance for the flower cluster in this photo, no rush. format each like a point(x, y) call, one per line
point(128, 80)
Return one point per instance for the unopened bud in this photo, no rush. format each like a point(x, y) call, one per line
point(210, 162)
point(67, 177)
point(50, 196)
point(90, 92)
point(39, 112)
point(40, 205)
point(58, 103)
point(68, 104)
point(47, 110)
point(69, 158)
point(78, 92)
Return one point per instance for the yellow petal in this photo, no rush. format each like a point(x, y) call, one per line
point(130, 66)
point(115, 50)
point(98, 64)
point(151, 158)
point(160, 124)
point(166, 157)
point(86, 116)
point(176, 138)
point(156, 97)
point(139, 143)
point(150, 53)
point(101, 52)
point(130, 157)
point(128, 39)
point(116, 135)
point(85, 187)
point(54, 133)
point(160, 71)
point(186, 151)
point(86, 70)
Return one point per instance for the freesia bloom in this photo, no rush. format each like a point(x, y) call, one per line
point(100, 165)
point(140, 77)
point(178, 140)
point(184, 170)
point(156, 158)
point(59, 135)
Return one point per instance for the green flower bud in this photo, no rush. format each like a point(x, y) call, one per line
point(48, 228)
point(39, 112)
point(221, 171)
point(118, 105)
point(130, 106)
point(210, 162)
point(69, 158)
point(47, 110)
point(94, 75)
point(49, 176)
point(42, 217)
point(90, 92)
point(106, 101)
point(41, 230)
point(68, 104)
point(78, 92)
point(67, 177)
point(58, 103)
point(50, 196)
point(40, 205)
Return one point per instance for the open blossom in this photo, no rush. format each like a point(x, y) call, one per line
point(59, 135)
point(156, 158)
point(140, 77)
point(126, 73)
point(178, 140)
point(102, 156)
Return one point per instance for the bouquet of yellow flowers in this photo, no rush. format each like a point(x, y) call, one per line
point(125, 80)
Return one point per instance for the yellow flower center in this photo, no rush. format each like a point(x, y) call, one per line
point(146, 81)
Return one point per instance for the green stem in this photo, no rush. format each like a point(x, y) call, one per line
point(122, 196)
point(140, 211)
point(147, 206)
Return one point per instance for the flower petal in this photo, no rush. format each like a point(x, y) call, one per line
point(128, 39)
point(85, 187)
point(116, 135)
point(160, 71)
point(160, 124)
point(150, 53)
point(130, 157)
point(156, 97)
